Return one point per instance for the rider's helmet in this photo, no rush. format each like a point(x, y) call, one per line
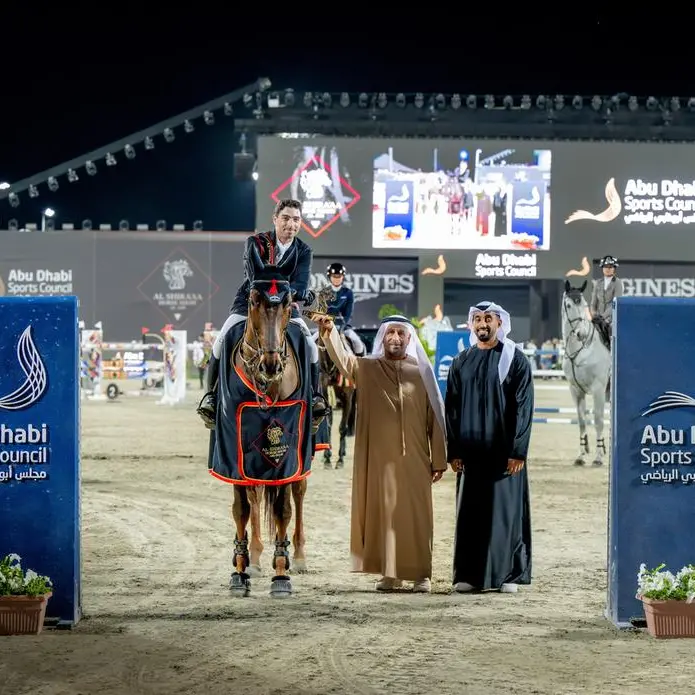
point(609, 262)
point(336, 269)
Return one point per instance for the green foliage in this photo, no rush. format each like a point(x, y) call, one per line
point(14, 581)
point(662, 585)
point(388, 310)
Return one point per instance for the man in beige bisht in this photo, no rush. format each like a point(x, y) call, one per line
point(400, 451)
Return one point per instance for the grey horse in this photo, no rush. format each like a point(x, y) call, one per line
point(587, 366)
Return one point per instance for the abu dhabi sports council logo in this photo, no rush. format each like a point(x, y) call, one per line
point(669, 400)
point(614, 208)
point(35, 376)
point(660, 202)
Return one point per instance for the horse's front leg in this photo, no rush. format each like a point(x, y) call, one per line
point(280, 500)
point(599, 398)
point(256, 545)
point(298, 539)
point(342, 430)
point(239, 583)
point(579, 398)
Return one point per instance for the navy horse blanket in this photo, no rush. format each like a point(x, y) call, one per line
point(254, 445)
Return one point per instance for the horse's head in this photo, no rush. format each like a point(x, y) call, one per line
point(270, 306)
point(575, 309)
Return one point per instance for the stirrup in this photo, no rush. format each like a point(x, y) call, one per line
point(207, 411)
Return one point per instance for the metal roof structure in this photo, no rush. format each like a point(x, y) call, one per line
point(618, 117)
point(127, 144)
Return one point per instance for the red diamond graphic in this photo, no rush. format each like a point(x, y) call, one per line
point(324, 218)
point(178, 287)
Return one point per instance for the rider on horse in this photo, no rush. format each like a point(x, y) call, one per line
point(292, 258)
point(604, 291)
point(340, 308)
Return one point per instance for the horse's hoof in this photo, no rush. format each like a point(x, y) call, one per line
point(579, 461)
point(328, 465)
point(239, 585)
point(281, 587)
point(340, 463)
point(299, 566)
point(597, 462)
point(254, 571)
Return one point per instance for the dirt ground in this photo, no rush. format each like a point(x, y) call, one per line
point(159, 618)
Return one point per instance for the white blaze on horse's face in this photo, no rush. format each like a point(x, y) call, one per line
point(287, 223)
point(269, 321)
point(577, 313)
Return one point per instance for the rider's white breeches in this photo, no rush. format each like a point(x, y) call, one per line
point(357, 345)
point(233, 319)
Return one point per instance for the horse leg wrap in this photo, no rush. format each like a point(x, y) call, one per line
point(241, 552)
point(601, 445)
point(281, 551)
point(584, 442)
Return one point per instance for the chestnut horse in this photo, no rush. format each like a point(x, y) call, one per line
point(267, 360)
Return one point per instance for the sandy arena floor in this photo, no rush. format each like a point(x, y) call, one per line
point(159, 619)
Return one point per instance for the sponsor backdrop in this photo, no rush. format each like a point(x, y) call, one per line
point(127, 280)
point(374, 282)
point(656, 279)
point(500, 209)
point(652, 482)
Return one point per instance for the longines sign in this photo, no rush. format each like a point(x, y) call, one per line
point(659, 287)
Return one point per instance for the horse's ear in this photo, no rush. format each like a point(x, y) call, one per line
point(583, 287)
point(568, 287)
point(256, 258)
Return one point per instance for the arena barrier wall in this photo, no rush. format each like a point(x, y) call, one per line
point(449, 344)
point(651, 510)
point(40, 444)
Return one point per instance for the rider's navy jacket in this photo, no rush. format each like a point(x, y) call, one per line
point(342, 303)
point(295, 265)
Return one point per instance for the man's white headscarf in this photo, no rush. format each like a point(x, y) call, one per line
point(508, 346)
point(417, 351)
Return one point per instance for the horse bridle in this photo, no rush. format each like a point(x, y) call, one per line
point(584, 343)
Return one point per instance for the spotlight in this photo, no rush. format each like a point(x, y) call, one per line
point(14, 200)
point(209, 118)
point(52, 184)
point(227, 109)
point(90, 168)
point(456, 101)
point(419, 100)
point(401, 100)
point(188, 126)
point(13, 225)
point(110, 160)
point(87, 225)
point(124, 225)
point(161, 225)
point(129, 152)
point(345, 100)
point(149, 143)
point(169, 135)
point(198, 226)
point(33, 192)
point(72, 176)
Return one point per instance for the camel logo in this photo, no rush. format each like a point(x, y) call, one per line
point(176, 272)
point(609, 214)
point(669, 400)
point(35, 376)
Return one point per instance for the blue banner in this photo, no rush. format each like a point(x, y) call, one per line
point(400, 206)
point(652, 477)
point(449, 344)
point(528, 208)
point(40, 444)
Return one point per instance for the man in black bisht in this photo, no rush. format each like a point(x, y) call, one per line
point(489, 411)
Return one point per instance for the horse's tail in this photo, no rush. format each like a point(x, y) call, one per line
point(271, 495)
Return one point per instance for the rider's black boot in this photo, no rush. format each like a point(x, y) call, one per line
point(207, 408)
point(319, 405)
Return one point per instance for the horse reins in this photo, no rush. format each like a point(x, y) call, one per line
point(584, 343)
point(262, 384)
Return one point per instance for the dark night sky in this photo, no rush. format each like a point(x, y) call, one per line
point(77, 83)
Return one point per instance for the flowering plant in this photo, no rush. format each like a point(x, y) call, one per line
point(662, 585)
point(14, 581)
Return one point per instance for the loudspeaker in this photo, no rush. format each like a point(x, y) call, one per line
point(243, 166)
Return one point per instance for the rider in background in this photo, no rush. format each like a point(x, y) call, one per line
point(292, 258)
point(340, 308)
point(604, 290)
